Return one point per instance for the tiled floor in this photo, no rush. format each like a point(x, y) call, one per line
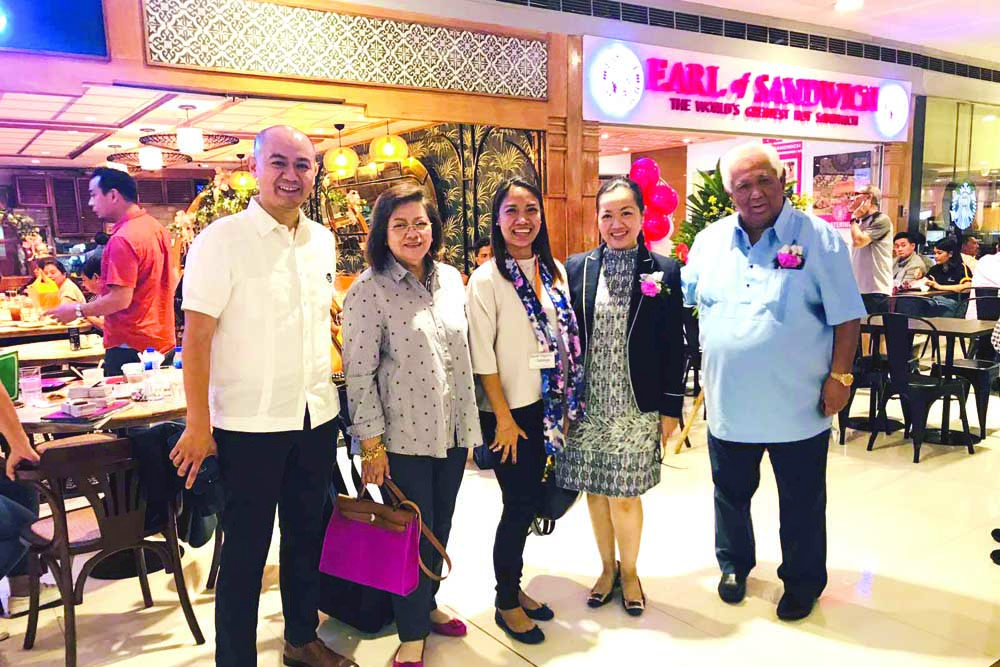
point(911, 582)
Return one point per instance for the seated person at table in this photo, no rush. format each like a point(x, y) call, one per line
point(90, 274)
point(949, 274)
point(987, 275)
point(908, 265)
point(56, 272)
point(18, 508)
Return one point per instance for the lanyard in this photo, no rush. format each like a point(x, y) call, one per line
point(538, 280)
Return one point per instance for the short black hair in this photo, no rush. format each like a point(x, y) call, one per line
point(51, 261)
point(905, 235)
point(92, 267)
point(377, 250)
point(109, 179)
point(540, 245)
point(100, 238)
point(483, 242)
point(621, 182)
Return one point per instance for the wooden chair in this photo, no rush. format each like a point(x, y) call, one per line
point(103, 470)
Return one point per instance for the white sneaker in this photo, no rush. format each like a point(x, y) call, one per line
point(48, 596)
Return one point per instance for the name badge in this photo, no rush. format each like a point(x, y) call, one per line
point(542, 360)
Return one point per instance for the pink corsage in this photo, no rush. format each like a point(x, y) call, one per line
point(790, 257)
point(652, 285)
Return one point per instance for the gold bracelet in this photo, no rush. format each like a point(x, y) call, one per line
point(369, 455)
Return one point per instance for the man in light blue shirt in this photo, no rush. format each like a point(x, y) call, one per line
point(779, 315)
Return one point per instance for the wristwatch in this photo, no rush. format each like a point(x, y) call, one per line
point(845, 379)
point(79, 311)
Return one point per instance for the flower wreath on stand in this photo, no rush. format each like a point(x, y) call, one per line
point(32, 244)
point(226, 195)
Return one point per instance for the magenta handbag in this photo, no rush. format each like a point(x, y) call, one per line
point(378, 545)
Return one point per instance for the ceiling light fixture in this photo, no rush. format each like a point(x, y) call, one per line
point(687, 140)
point(845, 6)
point(625, 149)
point(153, 156)
point(605, 135)
point(341, 162)
point(388, 148)
point(187, 139)
point(989, 118)
point(36, 162)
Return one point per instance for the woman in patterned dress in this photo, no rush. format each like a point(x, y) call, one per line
point(628, 303)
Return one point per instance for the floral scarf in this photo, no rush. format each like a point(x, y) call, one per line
point(560, 397)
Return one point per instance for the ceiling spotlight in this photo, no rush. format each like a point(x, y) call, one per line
point(46, 152)
point(990, 118)
point(624, 149)
point(845, 6)
point(36, 162)
point(687, 140)
point(605, 135)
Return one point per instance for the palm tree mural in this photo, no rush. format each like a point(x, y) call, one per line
point(467, 163)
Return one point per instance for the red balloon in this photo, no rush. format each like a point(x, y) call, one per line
point(663, 197)
point(656, 225)
point(645, 172)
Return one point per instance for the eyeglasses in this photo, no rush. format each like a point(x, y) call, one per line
point(420, 226)
point(859, 194)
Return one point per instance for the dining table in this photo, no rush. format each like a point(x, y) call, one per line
point(951, 329)
point(170, 407)
point(57, 352)
point(12, 332)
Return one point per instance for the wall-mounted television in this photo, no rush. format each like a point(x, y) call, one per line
point(74, 27)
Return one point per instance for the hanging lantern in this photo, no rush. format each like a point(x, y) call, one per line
point(242, 180)
point(151, 158)
point(190, 140)
point(390, 148)
point(341, 162)
point(110, 164)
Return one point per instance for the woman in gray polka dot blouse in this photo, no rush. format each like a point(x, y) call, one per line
point(410, 386)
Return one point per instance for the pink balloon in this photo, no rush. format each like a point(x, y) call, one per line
point(645, 172)
point(663, 197)
point(656, 225)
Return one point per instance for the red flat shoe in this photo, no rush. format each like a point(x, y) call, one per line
point(453, 628)
point(418, 663)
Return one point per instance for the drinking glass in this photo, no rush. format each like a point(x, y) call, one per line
point(31, 385)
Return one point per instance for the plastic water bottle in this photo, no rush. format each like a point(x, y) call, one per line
point(178, 362)
point(147, 359)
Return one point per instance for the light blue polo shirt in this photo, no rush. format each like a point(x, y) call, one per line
point(767, 333)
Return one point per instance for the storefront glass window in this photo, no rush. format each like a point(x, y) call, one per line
point(961, 169)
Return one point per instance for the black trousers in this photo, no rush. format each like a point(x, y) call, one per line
point(800, 473)
point(117, 357)
point(522, 491)
point(290, 471)
point(432, 484)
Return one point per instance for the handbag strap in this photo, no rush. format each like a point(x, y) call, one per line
point(424, 530)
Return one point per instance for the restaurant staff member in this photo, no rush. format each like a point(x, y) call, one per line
point(257, 292)
point(137, 301)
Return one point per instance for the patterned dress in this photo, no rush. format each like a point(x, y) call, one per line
point(614, 451)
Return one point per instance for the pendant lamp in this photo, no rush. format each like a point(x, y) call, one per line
point(341, 162)
point(389, 148)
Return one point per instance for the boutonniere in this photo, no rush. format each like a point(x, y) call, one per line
point(652, 285)
point(790, 256)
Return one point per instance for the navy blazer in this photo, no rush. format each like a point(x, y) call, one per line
point(656, 335)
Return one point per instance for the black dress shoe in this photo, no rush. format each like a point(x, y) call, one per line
point(732, 588)
point(995, 556)
point(543, 613)
point(793, 607)
point(995, 534)
point(634, 607)
point(532, 636)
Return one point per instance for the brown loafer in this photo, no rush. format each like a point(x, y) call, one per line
point(314, 654)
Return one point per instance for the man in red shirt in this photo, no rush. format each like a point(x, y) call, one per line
point(137, 300)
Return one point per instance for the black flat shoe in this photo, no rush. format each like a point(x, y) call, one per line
point(793, 607)
point(543, 613)
point(634, 607)
point(596, 600)
point(995, 534)
point(995, 556)
point(732, 589)
point(532, 636)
